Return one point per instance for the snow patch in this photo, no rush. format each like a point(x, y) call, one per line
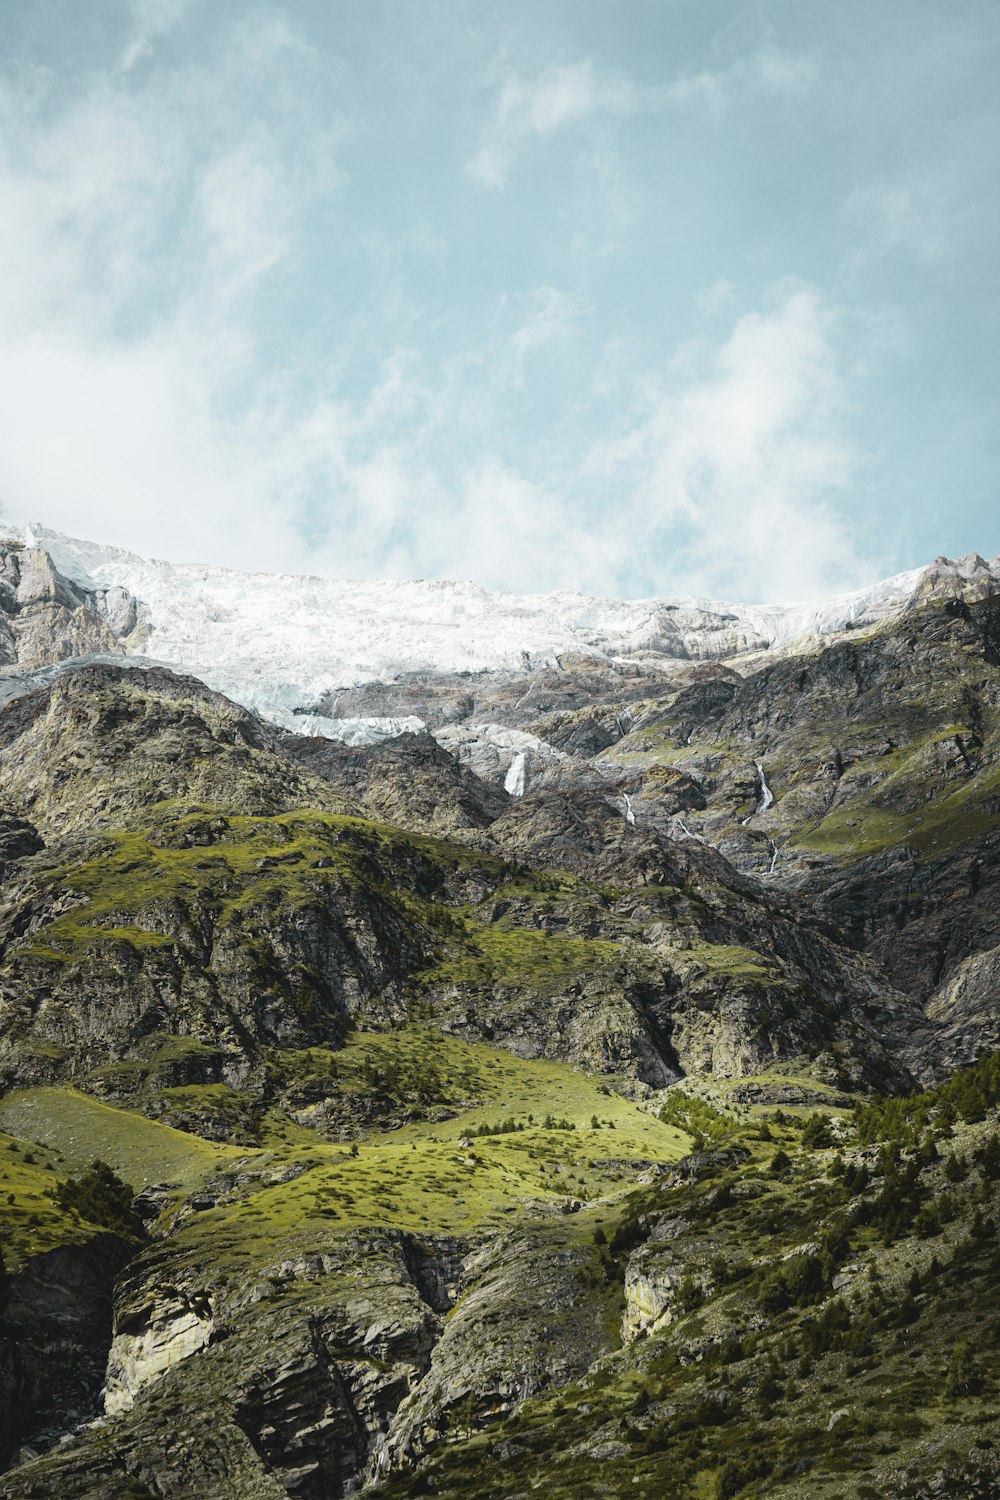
point(364, 731)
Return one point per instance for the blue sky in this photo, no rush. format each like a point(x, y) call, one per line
point(635, 297)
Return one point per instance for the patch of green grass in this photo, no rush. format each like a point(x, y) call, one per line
point(84, 1130)
point(569, 1137)
point(127, 887)
point(31, 1222)
point(510, 955)
point(728, 960)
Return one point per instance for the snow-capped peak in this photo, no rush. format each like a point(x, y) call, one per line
point(281, 643)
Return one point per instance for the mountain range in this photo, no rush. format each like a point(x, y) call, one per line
point(472, 1044)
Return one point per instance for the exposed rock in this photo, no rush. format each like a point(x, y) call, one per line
point(54, 1335)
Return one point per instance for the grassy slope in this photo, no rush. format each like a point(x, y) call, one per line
point(125, 886)
point(882, 1369)
point(420, 1176)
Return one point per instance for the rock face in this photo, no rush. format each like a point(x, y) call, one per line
point(281, 1401)
point(234, 898)
point(55, 1328)
point(515, 1332)
point(44, 617)
point(150, 1341)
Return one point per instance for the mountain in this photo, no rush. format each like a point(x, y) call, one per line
point(284, 645)
point(457, 1043)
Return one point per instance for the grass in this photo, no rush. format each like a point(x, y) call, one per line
point(722, 1401)
point(568, 1137)
point(82, 1130)
point(941, 825)
point(127, 888)
point(30, 1222)
point(738, 963)
point(506, 955)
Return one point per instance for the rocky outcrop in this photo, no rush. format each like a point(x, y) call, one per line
point(284, 1383)
point(101, 745)
point(152, 1339)
point(516, 1330)
point(46, 618)
point(409, 780)
point(55, 1330)
point(965, 1014)
point(510, 758)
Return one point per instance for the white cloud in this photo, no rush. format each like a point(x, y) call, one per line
point(247, 207)
point(915, 217)
point(151, 19)
point(504, 529)
point(550, 318)
point(717, 298)
point(767, 70)
point(527, 109)
point(145, 222)
point(737, 458)
point(143, 217)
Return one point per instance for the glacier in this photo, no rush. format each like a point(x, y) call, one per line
point(284, 644)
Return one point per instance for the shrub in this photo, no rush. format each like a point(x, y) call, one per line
point(100, 1196)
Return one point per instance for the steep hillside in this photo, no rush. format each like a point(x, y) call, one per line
point(530, 1106)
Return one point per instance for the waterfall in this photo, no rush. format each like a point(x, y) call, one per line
point(687, 832)
point(514, 780)
point(766, 795)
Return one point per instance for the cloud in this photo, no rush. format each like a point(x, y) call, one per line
point(151, 19)
point(502, 526)
point(550, 318)
point(146, 215)
point(915, 217)
point(155, 218)
point(738, 456)
point(767, 70)
point(528, 109)
point(247, 208)
point(717, 298)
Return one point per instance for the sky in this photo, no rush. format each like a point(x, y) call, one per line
point(630, 297)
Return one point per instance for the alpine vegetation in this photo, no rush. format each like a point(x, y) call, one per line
point(461, 1044)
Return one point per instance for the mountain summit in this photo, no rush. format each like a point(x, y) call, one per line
point(290, 644)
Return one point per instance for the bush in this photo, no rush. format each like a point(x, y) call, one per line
point(101, 1197)
point(816, 1133)
point(963, 1377)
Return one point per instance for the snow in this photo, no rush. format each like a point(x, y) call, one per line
point(496, 753)
point(18, 684)
point(277, 642)
point(363, 731)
